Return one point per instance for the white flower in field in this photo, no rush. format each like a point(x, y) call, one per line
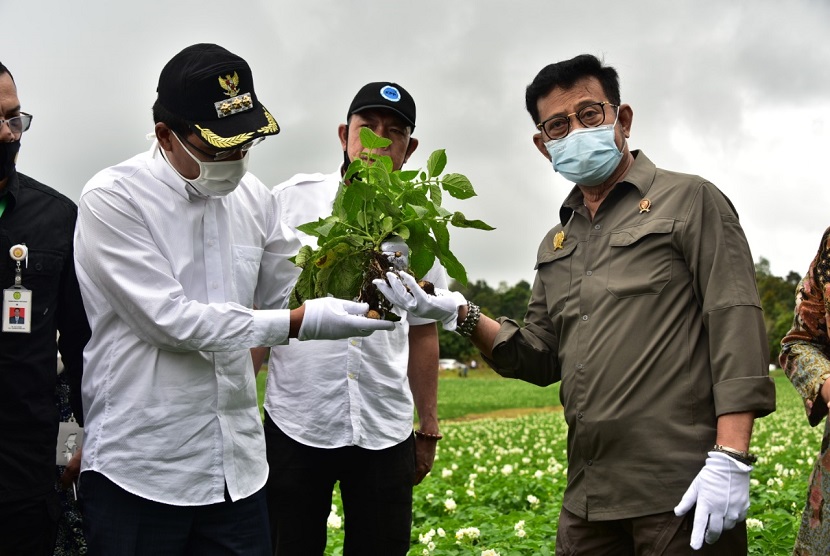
point(489, 552)
point(449, 493)
point(473, 476)
point(446, 473)
point(425, 538)
point(521, 533)
point(450, 505)
point(538, 474)
point(519, 525)
point(507, 469)
point(754, 482)
point(454, 467)
point(441, 533)
point(471, 493)
point(467, 533)
point(532, 500)
point(425, 552)
point(431, 546)
point(429, 496)
point(334, 521)
point(752, 523)
point(526, 461)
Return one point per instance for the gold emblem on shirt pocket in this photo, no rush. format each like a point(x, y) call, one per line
point(641, 259)
point(553, 267)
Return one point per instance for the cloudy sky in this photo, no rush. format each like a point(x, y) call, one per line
point(737, 92)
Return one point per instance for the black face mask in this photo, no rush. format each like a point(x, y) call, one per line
point(8, 155)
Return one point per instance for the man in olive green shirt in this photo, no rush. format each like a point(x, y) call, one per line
point(645, 307)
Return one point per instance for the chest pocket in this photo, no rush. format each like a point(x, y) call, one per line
point(42, 275)
point(641, 259)
point(246, 261)
point(553, 268)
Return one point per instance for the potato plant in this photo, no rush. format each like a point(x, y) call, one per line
point(373, 205)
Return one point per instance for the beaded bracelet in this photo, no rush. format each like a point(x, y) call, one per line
point(429, 436)
point(468, 325)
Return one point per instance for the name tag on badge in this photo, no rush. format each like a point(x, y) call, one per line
point(70, 440)
point(17, 310)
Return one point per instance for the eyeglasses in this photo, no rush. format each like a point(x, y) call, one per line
point(18, 124)
point(592, 115)
point(222, 155)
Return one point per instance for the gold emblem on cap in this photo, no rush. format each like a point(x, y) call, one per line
point(230, 84)
point(645, 206)
point(239, 103)
point(558, 240)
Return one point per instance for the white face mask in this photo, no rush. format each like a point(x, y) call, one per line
point(215, 179)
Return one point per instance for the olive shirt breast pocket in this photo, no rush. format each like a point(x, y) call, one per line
point(640, 259)
point(554, 270)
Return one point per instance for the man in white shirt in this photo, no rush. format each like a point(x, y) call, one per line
point(173, 248)
point(343, 411)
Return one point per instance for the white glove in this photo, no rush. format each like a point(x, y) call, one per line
point(721, 493)
point(391, 249)
point(443, 306)
point(329, 318)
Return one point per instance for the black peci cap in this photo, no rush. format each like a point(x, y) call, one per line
point(383, 94)
point(213, 90)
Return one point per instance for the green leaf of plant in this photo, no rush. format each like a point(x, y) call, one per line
point(303, 256)
point(402, 231)
point(454, 268)
point(436, 163)
point(408, 175)
point(458, 186)
point(371, 140)
point(303, 288)
point(459, 221)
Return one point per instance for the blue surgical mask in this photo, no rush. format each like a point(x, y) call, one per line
point(586, 156)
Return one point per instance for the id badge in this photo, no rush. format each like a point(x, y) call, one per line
point(17, 310)
point(70, 440)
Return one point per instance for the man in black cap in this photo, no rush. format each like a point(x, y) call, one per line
point(353, 422)
point(36, 228)
point(173, 249)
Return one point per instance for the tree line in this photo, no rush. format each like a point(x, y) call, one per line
point(777, 299)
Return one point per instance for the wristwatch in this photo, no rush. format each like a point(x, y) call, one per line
point(743, 457)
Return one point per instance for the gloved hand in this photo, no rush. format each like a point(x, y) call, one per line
point(443, 306)
point(721, 492)
point(329, 318)
point(397, 251)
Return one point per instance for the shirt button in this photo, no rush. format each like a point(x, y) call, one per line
point(590, 272)
point(211, 243)
point(351, 376)
point(584, 317)
point(597, 226)
point(579, 415)
point(590, 462)
point(579, 366)
point(214, 285)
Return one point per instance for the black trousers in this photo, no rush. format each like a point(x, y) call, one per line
point(29, 526)
point(118, 523)
point(375, 486)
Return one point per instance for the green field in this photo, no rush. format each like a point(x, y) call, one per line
point(497, 483)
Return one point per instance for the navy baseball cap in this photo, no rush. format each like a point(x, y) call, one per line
point(384, 94)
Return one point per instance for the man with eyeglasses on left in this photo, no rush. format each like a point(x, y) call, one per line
point(38, 282)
